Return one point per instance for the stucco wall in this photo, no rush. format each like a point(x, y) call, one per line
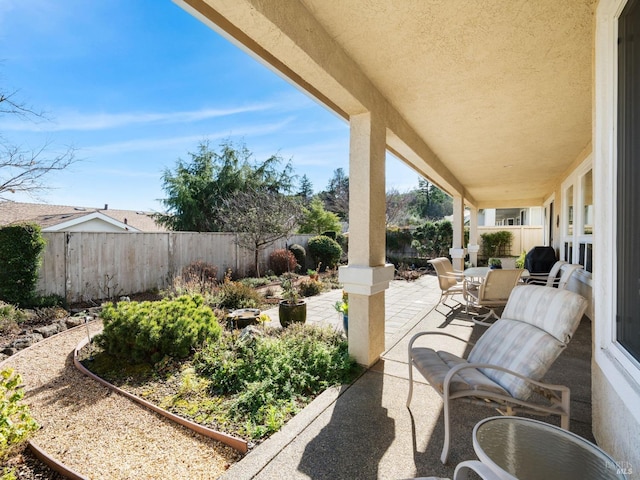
point(612, 426)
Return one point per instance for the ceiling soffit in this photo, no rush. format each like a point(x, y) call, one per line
point(490, 99)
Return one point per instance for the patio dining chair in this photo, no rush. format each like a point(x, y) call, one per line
point(451, 282)
point(505, 367)
point(492, 292)
point(558, 276)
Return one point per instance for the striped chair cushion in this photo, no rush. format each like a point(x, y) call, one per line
point(517, 346)
point(434, 366)
point(558, 312)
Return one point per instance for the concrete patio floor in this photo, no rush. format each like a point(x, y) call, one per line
point(365, 431)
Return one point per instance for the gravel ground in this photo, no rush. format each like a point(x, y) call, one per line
point(100, 434)
point(27, 467)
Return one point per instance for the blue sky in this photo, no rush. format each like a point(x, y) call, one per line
point(134, 85)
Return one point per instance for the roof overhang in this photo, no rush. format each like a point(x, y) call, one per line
point(491, 101)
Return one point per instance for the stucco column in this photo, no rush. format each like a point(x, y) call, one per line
point(366, 277)
point(457, 250)
point(473, 246)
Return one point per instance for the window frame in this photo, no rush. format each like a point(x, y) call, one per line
point(615, 362)
point(632, 348)
point(570, 241)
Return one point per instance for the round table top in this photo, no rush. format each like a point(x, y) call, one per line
point(476, 272)
point(529, 450)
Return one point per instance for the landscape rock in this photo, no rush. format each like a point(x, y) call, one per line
point(27, 341)
point(73, 321)
point(249, 333)
point(48, 330)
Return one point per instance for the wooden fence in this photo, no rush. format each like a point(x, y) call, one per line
point(82, 266)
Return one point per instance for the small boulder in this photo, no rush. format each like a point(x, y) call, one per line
point(26, 341)
point(249, 333)
point(73, 321)
point(48, 330)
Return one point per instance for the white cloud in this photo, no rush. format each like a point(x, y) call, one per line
point(154, 144)
point(102, 121)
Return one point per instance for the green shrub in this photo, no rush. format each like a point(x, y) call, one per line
point(433, 239)
point(282, 261)
point(149, 331)
point(301, 255)
point(325, 251)
point(233, 295)
point(271, 373)
point(10, 318)
point(309, 287)
point(398, 239)
point(521, 259)
point(48, 301)
point(16, 423)
point(20, 250)
point(496, 244)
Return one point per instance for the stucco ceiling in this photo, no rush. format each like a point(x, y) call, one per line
point(492, 100)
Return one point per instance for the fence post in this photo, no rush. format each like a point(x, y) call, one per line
point(67, 275)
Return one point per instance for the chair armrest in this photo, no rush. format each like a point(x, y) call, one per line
point(457, 276)
point(480, 469)
point(540, 280)
point(457, 368)
point(421, 334)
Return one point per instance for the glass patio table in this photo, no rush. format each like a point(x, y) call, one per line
point(475, 272)
point(517, 448)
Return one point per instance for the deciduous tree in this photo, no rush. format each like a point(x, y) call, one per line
point(260, 217)
point(22, 169)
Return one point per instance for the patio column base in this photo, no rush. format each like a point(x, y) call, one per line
point(457, 257)
point(366, 286)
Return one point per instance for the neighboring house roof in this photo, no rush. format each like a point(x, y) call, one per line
point(61, 218)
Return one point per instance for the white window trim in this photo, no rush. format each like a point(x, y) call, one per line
point(575, 180)
point(618, 366)
point(545, 220)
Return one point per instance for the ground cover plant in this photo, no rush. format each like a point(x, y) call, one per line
point(247, 383)
point(16, 423)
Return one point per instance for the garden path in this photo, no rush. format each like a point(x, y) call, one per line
point(103, 435)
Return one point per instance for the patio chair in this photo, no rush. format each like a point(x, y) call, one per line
point(558, 276)
point(492, 292)
point(505, 367)
point(451, 281)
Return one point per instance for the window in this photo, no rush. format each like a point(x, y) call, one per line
point(577, 245)
point(628, 181)
point(587, 203)
point(569, 203)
